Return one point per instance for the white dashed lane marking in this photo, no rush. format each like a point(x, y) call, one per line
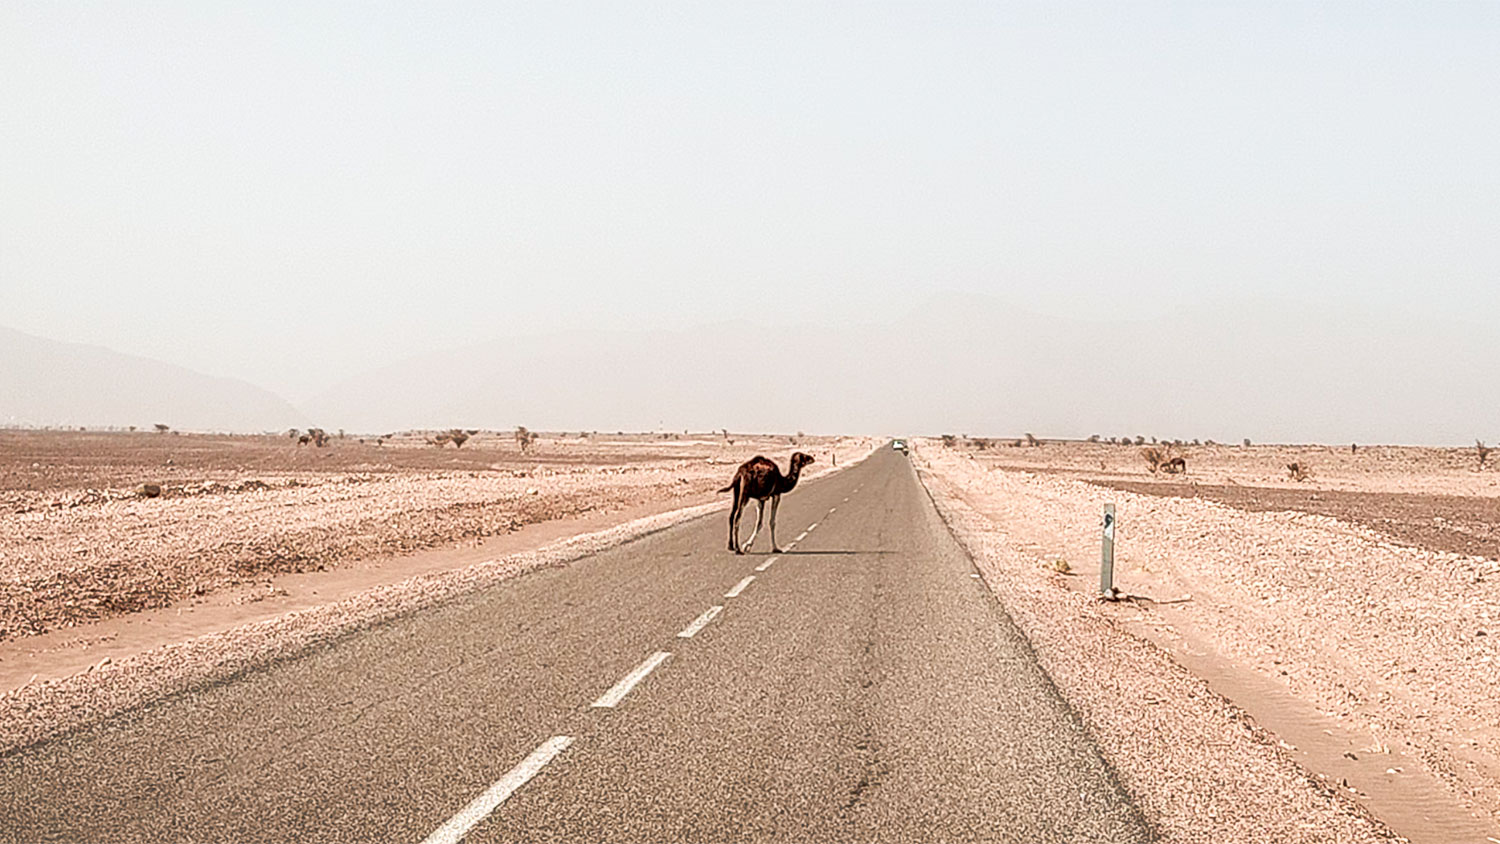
point(453, 831)
point(480, 808)
point(700, 622)
point(622, 688)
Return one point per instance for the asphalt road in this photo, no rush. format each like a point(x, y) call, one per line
point(862, 687)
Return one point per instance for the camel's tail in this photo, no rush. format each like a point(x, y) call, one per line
point(732, 484)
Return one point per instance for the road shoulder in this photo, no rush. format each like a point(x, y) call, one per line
point(1198, 767)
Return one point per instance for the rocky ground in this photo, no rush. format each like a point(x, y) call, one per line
point(79, 542)
point(1352, 614)
point(235, 511)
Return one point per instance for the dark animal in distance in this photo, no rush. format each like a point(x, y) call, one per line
point(758, 478)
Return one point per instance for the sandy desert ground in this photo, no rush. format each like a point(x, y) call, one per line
point(77, 543)
point(238, 515)
point(1343, 625)
point(1355, 614)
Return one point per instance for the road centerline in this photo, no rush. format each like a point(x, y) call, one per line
point(480, 807)
point(618, 692)
point(700, 622)
point(766, 564)
point(740, 587)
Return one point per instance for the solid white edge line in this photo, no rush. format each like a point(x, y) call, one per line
point(700, 622)
point(480, 807)
point(739, 587)
point(766, 564)
point(619, 690)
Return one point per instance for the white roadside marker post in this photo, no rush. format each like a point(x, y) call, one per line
point(1107, 557)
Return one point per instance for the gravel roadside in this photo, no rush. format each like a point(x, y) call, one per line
point(1200, 769)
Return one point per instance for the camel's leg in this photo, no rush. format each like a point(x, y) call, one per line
point(734, 522)
point(760, 515)
point(775, 503)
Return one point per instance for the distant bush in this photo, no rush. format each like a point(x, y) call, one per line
point(1159, 460)
point(525, 439)
point(1154, 458)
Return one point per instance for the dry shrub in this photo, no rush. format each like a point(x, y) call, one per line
point(1483, 451)
point(1154, 457)
point(525, 439)
point(1158, 460)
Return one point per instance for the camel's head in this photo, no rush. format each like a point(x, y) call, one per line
point(800, 459)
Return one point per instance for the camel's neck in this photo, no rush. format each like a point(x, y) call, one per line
point(790, 480)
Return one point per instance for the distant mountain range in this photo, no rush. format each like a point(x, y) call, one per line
point(957, 363)
point(45, 382)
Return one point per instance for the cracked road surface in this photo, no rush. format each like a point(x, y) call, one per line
point(863, 686)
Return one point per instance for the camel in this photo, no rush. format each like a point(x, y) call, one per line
point(759, 479)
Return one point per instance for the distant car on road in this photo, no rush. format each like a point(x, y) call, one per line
point(899, 445)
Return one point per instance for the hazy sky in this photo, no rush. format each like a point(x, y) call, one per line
point(287, 192)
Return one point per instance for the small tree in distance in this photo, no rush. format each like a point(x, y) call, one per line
point(524, 439)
